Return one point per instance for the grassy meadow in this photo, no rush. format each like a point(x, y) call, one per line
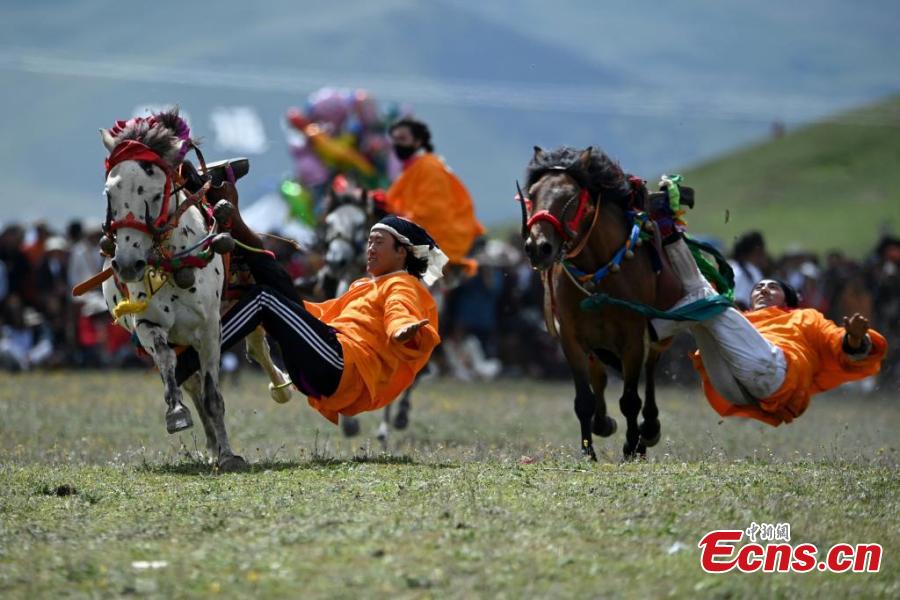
point(485, 495)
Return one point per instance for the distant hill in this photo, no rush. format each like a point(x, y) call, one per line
point(828, 185)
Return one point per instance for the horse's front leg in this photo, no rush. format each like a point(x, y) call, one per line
point(649, 427)
point(194, 387)
point(584, 399)
point(602, 424)
point(209, 352)
point(384, 427)
point(630, 402)
point(178, 417)
point(401, 419)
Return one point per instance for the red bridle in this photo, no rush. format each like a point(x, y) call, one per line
point(134, 150)
point(567, 229)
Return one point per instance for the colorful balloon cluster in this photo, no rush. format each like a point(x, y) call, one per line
point(341, 132)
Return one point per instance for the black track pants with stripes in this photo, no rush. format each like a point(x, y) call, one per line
point(274, 279)
point(311, 351)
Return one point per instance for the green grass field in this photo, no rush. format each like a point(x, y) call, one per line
point(485, 495)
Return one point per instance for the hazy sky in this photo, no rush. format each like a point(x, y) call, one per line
point(658, 85)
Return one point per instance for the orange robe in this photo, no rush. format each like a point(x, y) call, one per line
point(816, 362)
point(376, 367)
point(429, 194)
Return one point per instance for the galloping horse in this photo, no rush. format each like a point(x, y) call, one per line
point(582, 228)
point(164, 248)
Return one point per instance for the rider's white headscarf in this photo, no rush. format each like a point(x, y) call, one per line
point(419, 242)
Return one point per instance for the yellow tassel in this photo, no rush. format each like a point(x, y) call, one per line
point(128, 307)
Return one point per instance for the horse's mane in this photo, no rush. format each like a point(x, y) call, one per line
point(165, 133)
point(603, 176)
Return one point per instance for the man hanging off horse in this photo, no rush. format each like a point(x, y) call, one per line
point(768, 362)
point(430, 194)
point(356, 352)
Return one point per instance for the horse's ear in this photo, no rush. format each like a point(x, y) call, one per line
point(538, 151)
point(585, 159)
point(107, 138)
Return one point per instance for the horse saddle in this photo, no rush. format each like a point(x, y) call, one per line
point(217, 172)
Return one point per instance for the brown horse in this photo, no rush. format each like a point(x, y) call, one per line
point(580, 229)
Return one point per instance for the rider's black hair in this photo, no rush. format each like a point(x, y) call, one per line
point(413, 265)
point(418, 129)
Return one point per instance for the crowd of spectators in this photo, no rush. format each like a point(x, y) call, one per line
point(492, 323)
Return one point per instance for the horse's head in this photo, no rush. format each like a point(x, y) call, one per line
point(346, 231)
point(565, 189)
point(554, 208)
point(144, 154)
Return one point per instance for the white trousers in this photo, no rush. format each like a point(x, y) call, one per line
point(742, 365)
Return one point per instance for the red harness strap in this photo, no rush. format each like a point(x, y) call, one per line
point(571, 226)
point(134, 150)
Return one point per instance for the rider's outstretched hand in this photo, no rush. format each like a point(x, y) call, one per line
point(407, 333)
point(856, 327)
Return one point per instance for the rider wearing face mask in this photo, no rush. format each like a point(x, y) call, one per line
point(428, 193)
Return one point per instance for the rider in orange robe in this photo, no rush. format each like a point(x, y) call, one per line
point(356, 352)
point(368, 317)
point(430, 194)
point(767, 363)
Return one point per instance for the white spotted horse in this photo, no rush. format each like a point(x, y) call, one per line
point(583, 226)
point(165, 248)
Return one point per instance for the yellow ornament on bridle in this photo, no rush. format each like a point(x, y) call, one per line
point(154, 280)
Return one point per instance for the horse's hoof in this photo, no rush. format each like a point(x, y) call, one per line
point(629, 453)
point(280, 394)
point(651, 432)
point(350, 426)
point(606, 428)
point(382, 435)
point(401, 419)
point(233, 464)
point(178, 419)
point(588, 453)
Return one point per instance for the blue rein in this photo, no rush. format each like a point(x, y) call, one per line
point(638, 219)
